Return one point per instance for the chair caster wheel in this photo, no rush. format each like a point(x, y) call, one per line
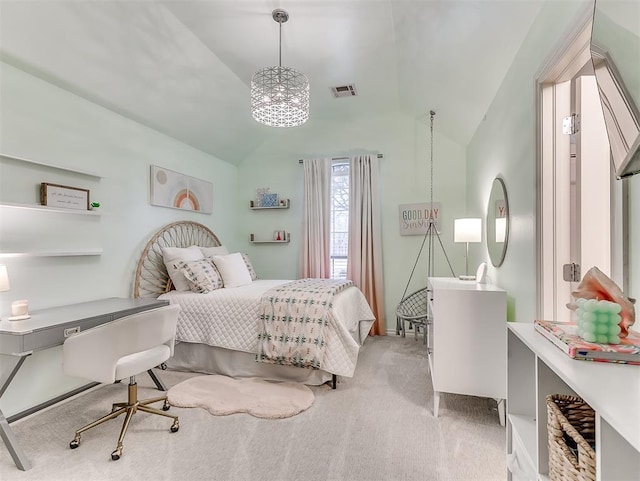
point(166, 406)
point(116, 454)
point(75, 443)
point(175, 426)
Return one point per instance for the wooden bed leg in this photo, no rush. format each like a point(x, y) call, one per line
point(334, 380)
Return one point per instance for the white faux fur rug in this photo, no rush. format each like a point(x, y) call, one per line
point(222, 395)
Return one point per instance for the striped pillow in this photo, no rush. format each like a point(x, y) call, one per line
point(202, 275)
point(250, 268)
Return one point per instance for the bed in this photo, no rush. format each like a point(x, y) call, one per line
point(219, 331)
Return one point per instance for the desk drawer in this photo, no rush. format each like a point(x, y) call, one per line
point(54, 336)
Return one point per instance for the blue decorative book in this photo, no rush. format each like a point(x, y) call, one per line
point(269, 200)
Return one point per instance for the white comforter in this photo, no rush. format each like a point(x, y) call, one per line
point(227, 318)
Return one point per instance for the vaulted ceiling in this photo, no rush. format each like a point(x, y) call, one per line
point(184, 67)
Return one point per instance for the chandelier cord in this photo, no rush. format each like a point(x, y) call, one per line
point(280, 46)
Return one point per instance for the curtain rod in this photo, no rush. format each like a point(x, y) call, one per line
point(380, 156)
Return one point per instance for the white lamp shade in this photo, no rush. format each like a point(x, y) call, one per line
point(4, 279)
point(467, 230)
point(501, 229)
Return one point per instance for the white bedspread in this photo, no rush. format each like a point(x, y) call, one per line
point(227, 318)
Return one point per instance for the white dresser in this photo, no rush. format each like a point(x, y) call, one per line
point(466, 339)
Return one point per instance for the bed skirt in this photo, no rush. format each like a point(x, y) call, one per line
point(196, 357)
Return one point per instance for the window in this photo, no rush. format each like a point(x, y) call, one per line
point(339, 229)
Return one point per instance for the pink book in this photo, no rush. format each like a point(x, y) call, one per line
point(565, 336)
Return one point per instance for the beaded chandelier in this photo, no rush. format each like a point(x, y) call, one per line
point(280, 95)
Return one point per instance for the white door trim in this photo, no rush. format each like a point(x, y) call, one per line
point(563, 64)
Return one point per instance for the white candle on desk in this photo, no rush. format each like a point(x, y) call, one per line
point(20, 308)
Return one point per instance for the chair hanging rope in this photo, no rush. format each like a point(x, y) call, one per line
point(413, 308)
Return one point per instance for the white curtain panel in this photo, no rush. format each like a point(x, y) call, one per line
point(364, 263)
point(316, 204)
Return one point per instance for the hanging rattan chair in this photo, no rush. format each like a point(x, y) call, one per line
point(413, 310)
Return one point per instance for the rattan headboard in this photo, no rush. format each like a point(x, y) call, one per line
point(151, 278)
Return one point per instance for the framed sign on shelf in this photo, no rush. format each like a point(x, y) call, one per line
point(63, 196)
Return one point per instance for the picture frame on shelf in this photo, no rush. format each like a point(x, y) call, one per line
point(260, 191)
point(64, 196)
point(269, 200)
point(279, 236)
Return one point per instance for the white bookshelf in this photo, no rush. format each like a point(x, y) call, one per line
point(537, 368)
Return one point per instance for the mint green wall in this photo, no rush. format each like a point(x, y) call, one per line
point(48, 124)
point(404, 170)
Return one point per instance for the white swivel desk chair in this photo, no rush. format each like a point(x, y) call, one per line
point(120, 349)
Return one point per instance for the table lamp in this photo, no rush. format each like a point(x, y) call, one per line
point(4, 279)
point(467, 230)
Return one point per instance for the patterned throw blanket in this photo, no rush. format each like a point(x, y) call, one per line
point(292, 320)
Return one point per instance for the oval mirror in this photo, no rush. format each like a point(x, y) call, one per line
point(497, 222)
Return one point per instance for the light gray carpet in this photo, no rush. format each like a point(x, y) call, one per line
point(377, 425)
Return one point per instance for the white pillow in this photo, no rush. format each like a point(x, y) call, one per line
point(214, 251)
point(171, 256)
point(233, 270)
point(202, 275)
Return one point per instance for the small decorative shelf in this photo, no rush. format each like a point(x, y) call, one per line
point(44, 164)
point(49, 209)
point(87, 252)
point(282, 204)
point(253, 240)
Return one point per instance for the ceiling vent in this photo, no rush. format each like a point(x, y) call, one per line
point(344, 91)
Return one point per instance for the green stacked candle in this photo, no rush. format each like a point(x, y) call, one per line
point(598, 321)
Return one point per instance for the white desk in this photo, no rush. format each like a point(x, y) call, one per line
point(48, 328)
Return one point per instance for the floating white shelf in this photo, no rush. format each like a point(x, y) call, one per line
point(49, 209)
point(254, 241)
point(77, 253)
point(44, 164)
point(286, 205)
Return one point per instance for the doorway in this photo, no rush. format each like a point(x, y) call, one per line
point(578, 197)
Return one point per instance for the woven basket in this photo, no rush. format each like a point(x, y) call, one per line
point(571, 429)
